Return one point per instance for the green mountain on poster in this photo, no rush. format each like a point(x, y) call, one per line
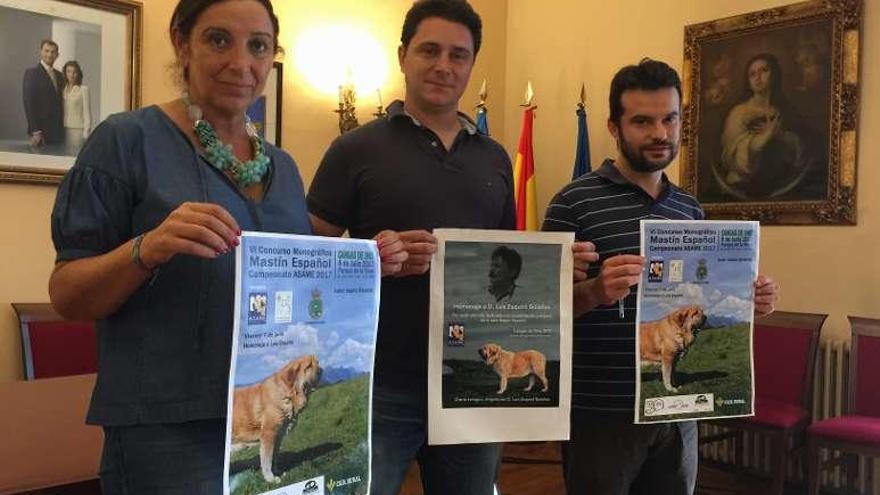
point(718, 362)
point(328, 438)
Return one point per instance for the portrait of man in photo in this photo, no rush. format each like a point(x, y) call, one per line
point(504, 268)
point(43, 106)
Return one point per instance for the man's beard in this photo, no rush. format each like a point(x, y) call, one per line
point(501, 287)
point(636, 157)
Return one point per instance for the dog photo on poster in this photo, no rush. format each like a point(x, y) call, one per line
point(301, 368)
point(499, 344)
point(695, 319)
point(502, 319)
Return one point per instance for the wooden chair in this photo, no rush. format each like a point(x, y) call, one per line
point(46, 442)
point(52, 346)
point(785, 348)
point(857, 432)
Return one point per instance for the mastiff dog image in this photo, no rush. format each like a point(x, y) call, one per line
point(510, 364)
point(261, 411)
point(666, 340)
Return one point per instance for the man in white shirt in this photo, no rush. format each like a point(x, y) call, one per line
point(43, 104)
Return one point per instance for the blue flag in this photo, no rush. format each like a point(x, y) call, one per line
point(582, 158)
point(482, 120)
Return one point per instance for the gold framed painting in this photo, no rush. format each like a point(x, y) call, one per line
point(68, 65)
point(770, 113)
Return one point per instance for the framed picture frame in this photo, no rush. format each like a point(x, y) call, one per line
point(265, 113)
point(49, 113)
point(770, 112)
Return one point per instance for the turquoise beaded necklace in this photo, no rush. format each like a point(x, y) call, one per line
point(219, 154)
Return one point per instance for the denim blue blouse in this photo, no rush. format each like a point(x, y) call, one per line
point(163, 357)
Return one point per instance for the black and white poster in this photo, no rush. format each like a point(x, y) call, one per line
point(500, 343)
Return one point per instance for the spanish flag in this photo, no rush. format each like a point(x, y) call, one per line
point(524, 176)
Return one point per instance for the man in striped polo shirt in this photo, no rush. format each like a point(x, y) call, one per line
point(608, 454)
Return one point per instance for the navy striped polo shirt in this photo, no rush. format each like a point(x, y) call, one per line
point(605, 208)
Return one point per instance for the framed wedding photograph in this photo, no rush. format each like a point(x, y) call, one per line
point(68, 65)
point(770, 113)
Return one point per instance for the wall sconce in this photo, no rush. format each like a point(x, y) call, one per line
point(342, 59)
point(347, 99)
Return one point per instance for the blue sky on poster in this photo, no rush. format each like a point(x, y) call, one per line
point(341, 336)
point(714, 301)
point(727, 291)
point(335, 349)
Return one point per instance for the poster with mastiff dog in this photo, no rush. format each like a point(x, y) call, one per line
point(500, 337)
point(695, 318)
point(302, 359)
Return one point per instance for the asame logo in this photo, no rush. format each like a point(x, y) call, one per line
point(655, 271)
point(258, 303)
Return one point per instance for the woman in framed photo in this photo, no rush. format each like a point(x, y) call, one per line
point(77, 108)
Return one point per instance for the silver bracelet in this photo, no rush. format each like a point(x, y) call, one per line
point(136, 255)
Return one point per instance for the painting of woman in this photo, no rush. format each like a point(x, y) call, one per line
point(764, 149)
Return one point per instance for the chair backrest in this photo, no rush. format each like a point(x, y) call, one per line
point(785, 345)
point(864, 367)
point(52, 346)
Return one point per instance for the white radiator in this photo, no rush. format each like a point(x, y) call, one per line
point(830, 389)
